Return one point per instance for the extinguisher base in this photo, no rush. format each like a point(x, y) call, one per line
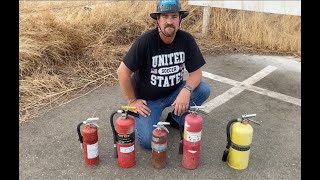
point(236, 167)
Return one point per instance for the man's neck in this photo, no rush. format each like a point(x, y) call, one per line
point(165, 39)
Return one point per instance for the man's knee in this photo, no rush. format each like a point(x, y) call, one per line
point(145, 141)
point(204, 89)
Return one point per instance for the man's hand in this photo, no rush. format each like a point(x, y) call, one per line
point(141, 107)
point(181, 103)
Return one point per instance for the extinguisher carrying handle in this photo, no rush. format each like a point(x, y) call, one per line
point(125, 113)
point(196, 108)
point(246, 117)
point(91, 121)
point(127, 110)
point(79, 133)
point(133, 114)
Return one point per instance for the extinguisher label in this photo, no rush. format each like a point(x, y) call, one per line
point(192, 136)
point(159, 147)
point(155, 139)
point(125, 138)
point(127, 149)
point(92, 150)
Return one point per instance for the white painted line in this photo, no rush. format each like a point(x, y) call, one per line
point(275, 95)
point(246, 84)
point(222, 98)
point(259, 75)
point(220, 79)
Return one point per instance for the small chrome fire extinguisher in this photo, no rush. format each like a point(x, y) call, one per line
point(159, 145)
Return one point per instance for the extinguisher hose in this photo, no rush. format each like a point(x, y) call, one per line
point(79, 133)
point(228, 132)
point(115, 154)
point(181, 133)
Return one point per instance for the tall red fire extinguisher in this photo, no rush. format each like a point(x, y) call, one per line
point(159, 145)
point(190, 142)
point(124, 136)
point(89, 140)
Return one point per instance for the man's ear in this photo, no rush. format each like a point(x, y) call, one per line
point(158, 17)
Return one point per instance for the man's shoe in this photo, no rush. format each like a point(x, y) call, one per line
point(172, 122)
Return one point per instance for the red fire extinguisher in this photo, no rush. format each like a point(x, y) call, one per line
point(191, 140)
point(89, 140)
point(124, 136)
point(159, 145)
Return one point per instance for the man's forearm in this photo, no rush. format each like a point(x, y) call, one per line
point(194, 78)
point(127, 89)
point(124, 76)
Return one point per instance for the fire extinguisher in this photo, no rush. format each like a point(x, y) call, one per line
point(238, 142)
point(89, 140)
point(124, 136)
point(159, 145)
point(190, 142)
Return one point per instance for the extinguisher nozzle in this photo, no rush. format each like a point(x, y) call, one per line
point(115, 153)
point(180, 148)
point(225, 155)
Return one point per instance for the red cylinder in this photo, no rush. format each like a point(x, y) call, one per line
point(125, 142)
point(159, 148)
point(90, 144)
point(192, 141)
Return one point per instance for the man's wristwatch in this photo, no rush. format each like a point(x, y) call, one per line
point(188, 87)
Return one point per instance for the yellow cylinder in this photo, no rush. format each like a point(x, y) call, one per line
point(239, 151)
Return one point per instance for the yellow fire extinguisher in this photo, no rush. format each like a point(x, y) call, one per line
point(239, 141)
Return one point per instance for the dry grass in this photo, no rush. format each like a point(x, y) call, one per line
point(67, 50)
point(261, 30)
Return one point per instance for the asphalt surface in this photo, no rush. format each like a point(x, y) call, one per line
point(49, 146)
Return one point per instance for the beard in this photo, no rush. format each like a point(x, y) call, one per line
point(169, 31)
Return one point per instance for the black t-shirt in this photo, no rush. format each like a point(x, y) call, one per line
point(158, 67)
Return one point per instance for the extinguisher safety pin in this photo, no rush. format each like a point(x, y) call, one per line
point(253, 121)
